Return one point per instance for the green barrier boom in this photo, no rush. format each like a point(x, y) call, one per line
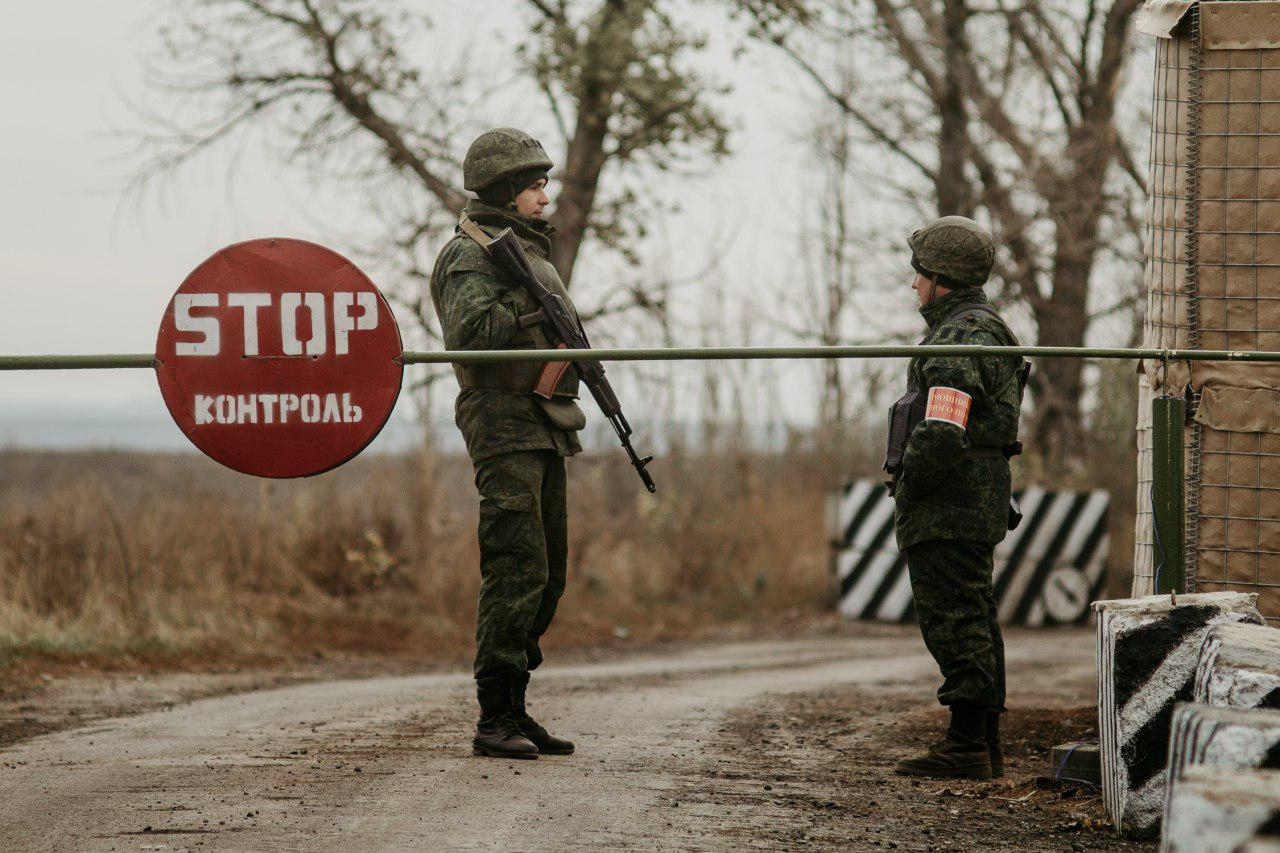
point(142, 360)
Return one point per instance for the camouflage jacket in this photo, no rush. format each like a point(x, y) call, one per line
point(479, 309)
point(943, 491)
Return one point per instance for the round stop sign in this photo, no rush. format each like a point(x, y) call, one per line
point(279, 358)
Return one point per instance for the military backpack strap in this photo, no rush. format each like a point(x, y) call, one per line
point(974, 310)
point(1022, 376)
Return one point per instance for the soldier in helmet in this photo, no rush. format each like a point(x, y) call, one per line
point(950, 440)
point(517, 440)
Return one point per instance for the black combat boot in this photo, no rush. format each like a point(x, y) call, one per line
point(993, 744)
point(497, 734)
point(961, 755)
point(547, 743)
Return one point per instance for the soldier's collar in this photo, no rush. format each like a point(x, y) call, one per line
point(938, 310)
point(534, 233)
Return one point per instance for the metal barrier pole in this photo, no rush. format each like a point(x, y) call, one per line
point(1168, 421)
point(147, 360)
point(76, 362)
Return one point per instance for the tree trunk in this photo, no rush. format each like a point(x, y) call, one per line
point(954, 197)
point(580, 182)
point(1063, 318)
point(1056, 427)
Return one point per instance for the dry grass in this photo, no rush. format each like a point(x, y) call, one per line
point(172, 557)
point(158, 556)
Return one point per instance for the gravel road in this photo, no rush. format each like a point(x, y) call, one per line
point(385, 763)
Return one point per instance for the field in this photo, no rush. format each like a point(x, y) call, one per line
point(169, 557)
point(113, 558)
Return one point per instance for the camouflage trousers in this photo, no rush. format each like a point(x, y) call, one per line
point(956, 608)
point(523, 554)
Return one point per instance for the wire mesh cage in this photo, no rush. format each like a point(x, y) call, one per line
point(1213, 282)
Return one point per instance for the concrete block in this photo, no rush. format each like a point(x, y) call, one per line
point(1238, 663)
point(1212, 810)
point(1239, 667)
point(1148, 649)
point(1076, 762)
point(1230, 738)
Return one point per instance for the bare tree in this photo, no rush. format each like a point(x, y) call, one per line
point(827, 292)
point(340, 87)
point(1006, 111)
point(353, 92)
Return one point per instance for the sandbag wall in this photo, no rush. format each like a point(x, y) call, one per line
point(1213, 282)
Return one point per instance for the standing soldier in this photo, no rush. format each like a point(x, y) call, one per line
point(950, 440)
point(517, 440)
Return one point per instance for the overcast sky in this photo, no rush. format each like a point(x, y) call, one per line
point(88, 271)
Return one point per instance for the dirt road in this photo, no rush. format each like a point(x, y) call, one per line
point(748, 744)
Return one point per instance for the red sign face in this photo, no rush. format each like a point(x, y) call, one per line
point(279, 358)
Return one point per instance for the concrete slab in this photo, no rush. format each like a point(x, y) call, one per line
point(1148, 649)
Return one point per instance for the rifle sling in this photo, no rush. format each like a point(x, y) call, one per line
point(474, 232)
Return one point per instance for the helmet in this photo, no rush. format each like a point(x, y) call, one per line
point(955, 247)
point(501, 153)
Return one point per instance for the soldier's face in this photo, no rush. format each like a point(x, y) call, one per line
point(927, 289)
point(533, 200)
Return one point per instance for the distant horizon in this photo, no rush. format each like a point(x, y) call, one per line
point(143, 424)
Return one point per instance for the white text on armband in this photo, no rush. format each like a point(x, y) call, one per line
point(949, 405)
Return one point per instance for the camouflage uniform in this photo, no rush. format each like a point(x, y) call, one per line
point(953, 504)
point(952, 490)
point(517, 441)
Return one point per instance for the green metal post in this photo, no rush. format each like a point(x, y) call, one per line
point(1168, 420)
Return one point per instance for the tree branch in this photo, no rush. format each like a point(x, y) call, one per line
point(847, 106)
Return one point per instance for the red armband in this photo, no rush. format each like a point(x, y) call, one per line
point(949, 405)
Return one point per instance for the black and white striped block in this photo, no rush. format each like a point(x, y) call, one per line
point(1147, 654)
point(1046, 572)
point(1230, 738)
point(1215, 810)
point(1239, 667)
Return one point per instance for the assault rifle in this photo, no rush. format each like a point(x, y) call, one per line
point(506, 250)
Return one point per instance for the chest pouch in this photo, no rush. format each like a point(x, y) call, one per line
point(904, 416)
